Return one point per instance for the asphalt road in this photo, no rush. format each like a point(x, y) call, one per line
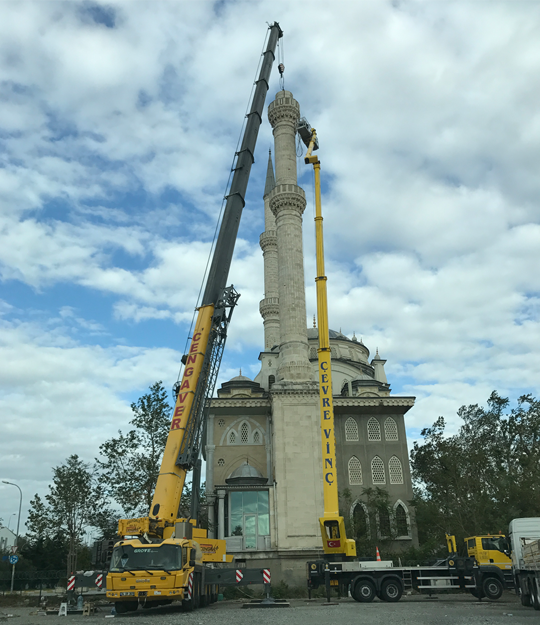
point(415, 610)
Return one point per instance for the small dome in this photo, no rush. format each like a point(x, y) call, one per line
point(313, 333)
point(246, 474)
point(240, 378)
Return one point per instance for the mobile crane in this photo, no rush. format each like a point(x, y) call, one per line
point(366, 580)
point(332, 524)
point(161, 558)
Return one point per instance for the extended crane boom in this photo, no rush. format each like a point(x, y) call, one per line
point(332, 524)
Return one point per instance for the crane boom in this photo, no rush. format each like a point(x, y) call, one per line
point(182, 448)
point(332, 524)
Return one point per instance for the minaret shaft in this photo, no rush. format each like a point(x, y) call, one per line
point(287, 202)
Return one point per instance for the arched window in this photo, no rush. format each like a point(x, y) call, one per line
point(221, 462)
point(351, 430)
point(373, 430)
point(271, 380)
point(390, 430)
point(221, 423)
point(360, 521)
point(402, 525)
point(378, 475)
point(244, 433)
point(383, 518)
point(257, 437)
point(313, 354)
point(232, 438)
point(395, 470)
point(355, 471)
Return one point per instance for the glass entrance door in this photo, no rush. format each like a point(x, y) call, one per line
point(250, 531)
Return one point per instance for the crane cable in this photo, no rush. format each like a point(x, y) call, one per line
point(227, 186)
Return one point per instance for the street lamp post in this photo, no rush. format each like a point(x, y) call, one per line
point(18, 523)
point(9, 521)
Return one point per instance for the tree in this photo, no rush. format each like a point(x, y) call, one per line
point(131, 462)
point(74, 501)
point(477, 480)
point(373, 521)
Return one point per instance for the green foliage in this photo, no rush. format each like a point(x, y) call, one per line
point(478, 480)
point(131, 462)
point(371, 525)
point(75, 501)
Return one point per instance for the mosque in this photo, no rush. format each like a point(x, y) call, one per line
point(263, 440)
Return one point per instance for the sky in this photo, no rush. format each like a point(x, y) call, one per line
point(118, 126)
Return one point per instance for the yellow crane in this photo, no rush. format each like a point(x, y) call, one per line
point(332, 524)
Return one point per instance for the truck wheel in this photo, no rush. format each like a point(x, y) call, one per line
point(364, 591)
point(533, 589)
point(493, 588)
point(391, 590)
point(525, 599)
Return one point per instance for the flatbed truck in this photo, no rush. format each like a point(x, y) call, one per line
point(367, 580)
point(524, 535)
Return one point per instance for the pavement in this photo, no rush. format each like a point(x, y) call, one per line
point(410, 610)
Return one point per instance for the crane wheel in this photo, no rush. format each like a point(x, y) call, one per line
point(363, 591)
point(493, 588)
point(391, 590)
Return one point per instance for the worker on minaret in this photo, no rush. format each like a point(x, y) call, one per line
point(269, 306)
point(287, 202)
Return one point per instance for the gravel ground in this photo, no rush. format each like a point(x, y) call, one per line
point(414, 610)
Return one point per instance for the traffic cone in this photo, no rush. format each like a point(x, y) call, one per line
point(378, 555)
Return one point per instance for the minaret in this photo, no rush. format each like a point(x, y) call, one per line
point(378, 364)
point(287, 202)
point(269, 306)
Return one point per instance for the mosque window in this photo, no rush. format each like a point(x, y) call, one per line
point(221, 423)
point(232, 438)
point(244, 433)
point(402, 523)
point(390, 430)
point(395, 470)
point(257, 437)
point(378, 474)
point(249, 516)
point(221, 462)
point(355, 471)
point(271, 380)
point(360, 521)
point(373, 430)
point(313, 354)
point(383, 520)
point(351, 430)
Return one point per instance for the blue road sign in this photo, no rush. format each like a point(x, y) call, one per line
point(13, 559)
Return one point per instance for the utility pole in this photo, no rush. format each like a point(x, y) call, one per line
point(17, 534)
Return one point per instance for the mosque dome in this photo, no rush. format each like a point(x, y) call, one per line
point(246, 474)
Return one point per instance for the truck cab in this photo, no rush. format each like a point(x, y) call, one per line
point(489, 549)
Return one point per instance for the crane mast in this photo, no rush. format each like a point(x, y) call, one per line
point(332, 524)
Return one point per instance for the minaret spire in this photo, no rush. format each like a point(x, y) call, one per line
point(269, 306)
point(270, 180)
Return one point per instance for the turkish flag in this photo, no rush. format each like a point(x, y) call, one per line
point(334, 544)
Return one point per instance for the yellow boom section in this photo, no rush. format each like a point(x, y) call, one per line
point(170, 482)
point(332, 524)
point(171, 477)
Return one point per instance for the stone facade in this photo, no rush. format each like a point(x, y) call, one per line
point(263, 447)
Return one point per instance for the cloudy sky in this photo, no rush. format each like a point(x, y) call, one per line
point(118, 125)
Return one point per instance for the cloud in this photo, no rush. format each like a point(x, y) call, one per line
point(119, 125)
